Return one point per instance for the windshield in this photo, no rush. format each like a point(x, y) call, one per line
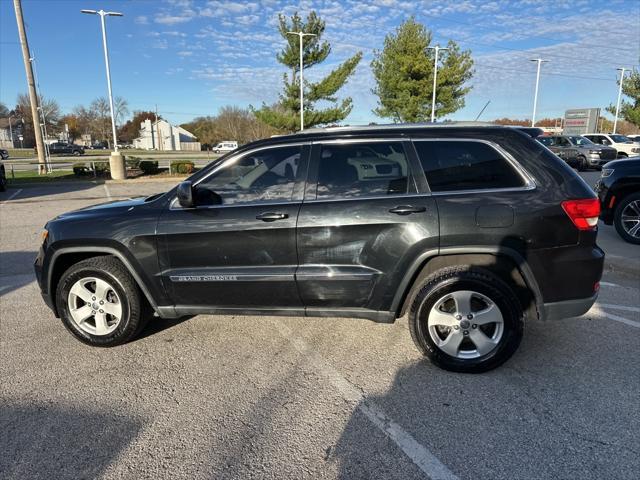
point(620, 138)
point(577, 140)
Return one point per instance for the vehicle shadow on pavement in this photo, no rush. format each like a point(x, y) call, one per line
point(32, 191)
point(157, 325)
point(16, 270)
point(46, 441)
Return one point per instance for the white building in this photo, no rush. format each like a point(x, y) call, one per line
point(161, 135)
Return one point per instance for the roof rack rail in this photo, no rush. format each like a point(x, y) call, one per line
point(394, 126)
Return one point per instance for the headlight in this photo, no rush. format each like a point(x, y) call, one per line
point(594, 151)
point(635, 150)
point(606, 172)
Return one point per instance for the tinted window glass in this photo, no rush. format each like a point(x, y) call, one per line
point(460, 165)
point(266, 175)
point(362, 169)
point(548, 141)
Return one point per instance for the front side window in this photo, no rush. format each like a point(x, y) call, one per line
point(267, 175)
point(465, 165)
point(620, 138)
point(375, 169)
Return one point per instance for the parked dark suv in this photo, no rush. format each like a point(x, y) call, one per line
point(619, 191)
point(66, 148)
point(471, 230)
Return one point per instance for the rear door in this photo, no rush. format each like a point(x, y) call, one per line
point(361, 223)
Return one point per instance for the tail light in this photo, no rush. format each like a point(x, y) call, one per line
point(583, 213)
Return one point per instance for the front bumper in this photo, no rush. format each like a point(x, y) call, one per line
point(568, 308)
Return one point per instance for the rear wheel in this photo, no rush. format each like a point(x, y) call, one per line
point(466, 320)
point(100, 303)
point(622, 155)
point(627, 218)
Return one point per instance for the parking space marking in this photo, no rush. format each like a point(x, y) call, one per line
point(418, 453)
point(608, 284)
point(618, 307)
point(598, 311)
point(106, 190)
point(12, 196)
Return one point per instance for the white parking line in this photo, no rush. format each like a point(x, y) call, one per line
point(618, 307)
point(106, 190)
point(608, 284)
point(12, 196)
point(598, 311)
point(418, 453)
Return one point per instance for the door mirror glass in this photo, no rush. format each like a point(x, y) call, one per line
point(185, 195)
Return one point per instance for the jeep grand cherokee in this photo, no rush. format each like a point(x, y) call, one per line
point(471, 230)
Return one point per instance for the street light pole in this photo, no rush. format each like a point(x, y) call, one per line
point(535, 96)
point(615, 120)
point(301, 36)
point(437, 49)
point(116, 161)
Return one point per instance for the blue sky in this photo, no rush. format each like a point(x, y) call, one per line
point(192, 57)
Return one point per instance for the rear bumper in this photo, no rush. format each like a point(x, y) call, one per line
point(568, 308)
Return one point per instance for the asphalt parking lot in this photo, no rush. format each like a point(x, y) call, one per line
point(271, 397)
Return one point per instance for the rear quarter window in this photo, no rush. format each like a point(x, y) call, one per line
point(465, 165)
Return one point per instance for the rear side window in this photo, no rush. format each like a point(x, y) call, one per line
point(373, 169)
point(465, 165)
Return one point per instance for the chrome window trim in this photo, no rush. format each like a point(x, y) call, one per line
point(175, 206)
point(229, 161)
point(383, 197)
point(529, 182)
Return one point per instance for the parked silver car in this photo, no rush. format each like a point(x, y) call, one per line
point(579, 152)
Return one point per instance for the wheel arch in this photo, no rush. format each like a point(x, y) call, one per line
point(64, 258)
point(507, 263)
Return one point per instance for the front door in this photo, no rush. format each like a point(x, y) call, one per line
point(360, 225)
point(237, 247)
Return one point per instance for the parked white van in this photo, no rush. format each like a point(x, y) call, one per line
point(226, 146)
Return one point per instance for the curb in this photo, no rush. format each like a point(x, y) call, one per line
point(147, 180)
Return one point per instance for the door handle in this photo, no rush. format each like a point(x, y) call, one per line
point(271, 216)
point(407, 209)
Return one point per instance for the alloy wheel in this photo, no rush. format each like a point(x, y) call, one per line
point(630, 218)
point(465, 324)
point(94, 306)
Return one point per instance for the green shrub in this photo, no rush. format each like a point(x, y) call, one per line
point(184, 167)
point(148, 166)
point(132, 162)
point(101, 168)
point(80, 169)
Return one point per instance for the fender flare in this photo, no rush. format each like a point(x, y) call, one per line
point(100, 249)
point(523, 267)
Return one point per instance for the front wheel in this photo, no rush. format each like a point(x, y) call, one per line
point(627, 218)
point(466, 320)
point(582, 164)
point(100, 303)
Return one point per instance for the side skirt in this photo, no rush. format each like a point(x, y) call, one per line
point(185, 310)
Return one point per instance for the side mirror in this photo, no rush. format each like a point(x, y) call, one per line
point(185, 195)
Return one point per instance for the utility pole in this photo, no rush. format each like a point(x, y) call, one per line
point(116, 161)
point(301, 36)
point(158, 131)
point(535, 97)
point(11, 115)
point(33, 96)
point(437, 49)
point(615, 120)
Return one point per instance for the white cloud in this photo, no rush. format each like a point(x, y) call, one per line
point(142, 20)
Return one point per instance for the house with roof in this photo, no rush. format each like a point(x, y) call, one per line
point(161, 135)
point(10, 131)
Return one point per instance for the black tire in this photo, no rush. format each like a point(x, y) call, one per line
point(111, 270)
point(622, 155)
point(617, 218)
point(461, 278)
point(582, 164)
